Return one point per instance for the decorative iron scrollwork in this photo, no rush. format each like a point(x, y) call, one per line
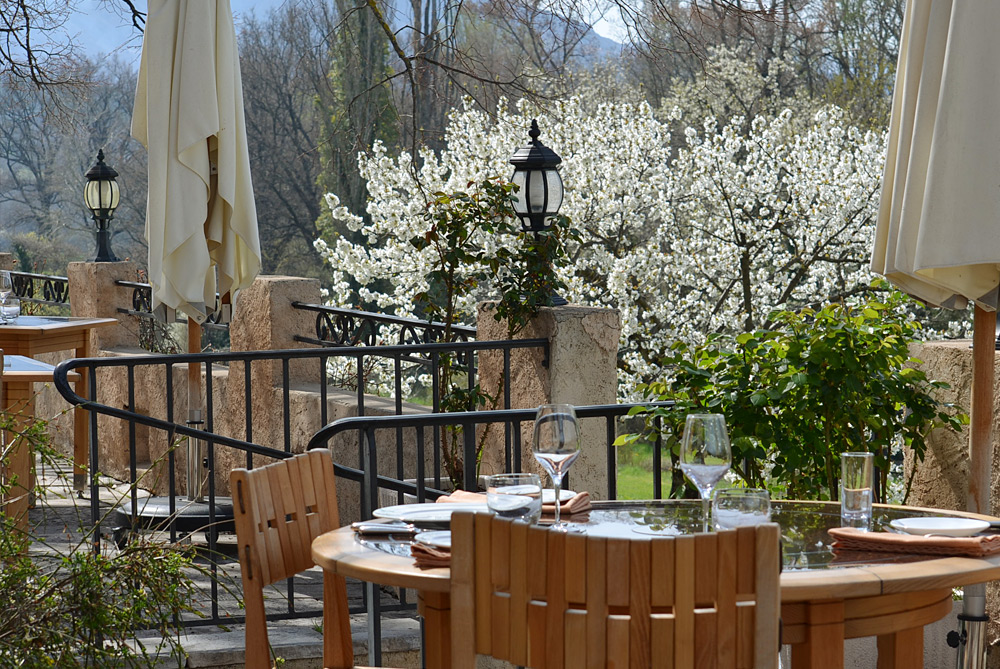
point(54, 289)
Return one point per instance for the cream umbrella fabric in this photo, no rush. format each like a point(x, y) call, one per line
point(188, 114)
point(938, 230)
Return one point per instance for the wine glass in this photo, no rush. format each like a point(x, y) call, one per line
point(6, 288)
point(556, 445)
point(705, 455)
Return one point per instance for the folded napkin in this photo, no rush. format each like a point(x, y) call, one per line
point(853, 539)
point(429, 557)
point(577, 504)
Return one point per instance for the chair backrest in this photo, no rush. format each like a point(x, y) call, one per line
point(279, 509)
point(550, 600)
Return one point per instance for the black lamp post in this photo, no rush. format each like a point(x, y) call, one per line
point(101, 195)
point(540, 188)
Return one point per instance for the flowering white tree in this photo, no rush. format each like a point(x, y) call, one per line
point(710, 236)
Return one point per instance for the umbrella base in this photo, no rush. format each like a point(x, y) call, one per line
point(153, 513)
point(970, 640)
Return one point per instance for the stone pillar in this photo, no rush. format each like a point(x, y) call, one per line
point(7, 261)
point(582, 370)
point(93, 294)
point(264, 320)
point(942, 479)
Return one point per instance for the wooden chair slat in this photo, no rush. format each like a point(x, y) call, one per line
point(483, 586)
point(463, 598)
point(617, 578)
point(555, 597)
point(661, 631)
point(639, 608)
point(618, 643)
point(684, 587)
point(520, 565)
point(706, 641)
point(597, 599)
point(576, 568)
point(661, 588)
point(575, 652)
point(706, 557)
point(725, 602)
point(768, 609)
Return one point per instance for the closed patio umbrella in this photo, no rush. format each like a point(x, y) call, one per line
point(201, 222)
point(938, 230)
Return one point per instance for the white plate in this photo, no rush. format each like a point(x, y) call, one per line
point(549, 495)
point(429, 512)
point(952, 527)
point(437, 538)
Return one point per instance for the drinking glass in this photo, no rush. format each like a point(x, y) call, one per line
point(856, 489)
point(10, 309)
point(705, 455)
point(556, 445)
point(6, 288)
point(517, 496)
point(740, 507)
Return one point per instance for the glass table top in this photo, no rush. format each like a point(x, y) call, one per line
point(804, 539)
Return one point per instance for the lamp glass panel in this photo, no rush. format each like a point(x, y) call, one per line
point(555, 191)
point(537, 195)
point(520, 202)
point(102, 194)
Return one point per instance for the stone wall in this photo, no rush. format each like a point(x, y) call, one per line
point(581, 370)
point(942, 479)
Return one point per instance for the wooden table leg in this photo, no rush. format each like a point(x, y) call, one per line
point(20, 402)
point(435, 607)
point(901, 650)
point(81, 431)
point(824, 643)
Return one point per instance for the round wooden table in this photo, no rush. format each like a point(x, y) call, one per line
point(825, 597)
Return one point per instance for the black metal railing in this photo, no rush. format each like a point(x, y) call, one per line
point(353, 327)
point(41, 288)
point(142, 305)
point(378, 437)
point(153, 376)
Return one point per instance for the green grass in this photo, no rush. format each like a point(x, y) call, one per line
point(635, 472)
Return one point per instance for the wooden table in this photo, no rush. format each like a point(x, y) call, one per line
point(19, 376)
point(822, 603)
point(32, 335)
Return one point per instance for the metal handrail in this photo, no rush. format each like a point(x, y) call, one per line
point(55, 289)
point(336, 326)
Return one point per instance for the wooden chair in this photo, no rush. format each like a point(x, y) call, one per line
point(550, 600)
point(279, 510)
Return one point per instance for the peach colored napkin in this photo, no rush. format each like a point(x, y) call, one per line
point(429, 557)
point(853, 539)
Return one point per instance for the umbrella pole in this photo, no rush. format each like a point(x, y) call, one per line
point(973, 619)
point(196, 455)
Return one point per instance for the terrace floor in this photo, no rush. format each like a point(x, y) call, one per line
point(56, 521)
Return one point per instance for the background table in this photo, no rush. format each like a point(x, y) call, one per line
point(33, 335)
point(19, 376)
point(825, 597)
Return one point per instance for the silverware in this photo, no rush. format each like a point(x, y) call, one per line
point(387, 526)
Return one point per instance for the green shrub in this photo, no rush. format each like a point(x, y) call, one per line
point(63, 604)
point(813, 385)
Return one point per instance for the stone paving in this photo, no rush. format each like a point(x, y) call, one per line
point(59, 513)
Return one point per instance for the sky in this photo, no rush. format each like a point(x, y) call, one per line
point(100, 31)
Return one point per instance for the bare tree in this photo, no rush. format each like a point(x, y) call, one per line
point(285, 60)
